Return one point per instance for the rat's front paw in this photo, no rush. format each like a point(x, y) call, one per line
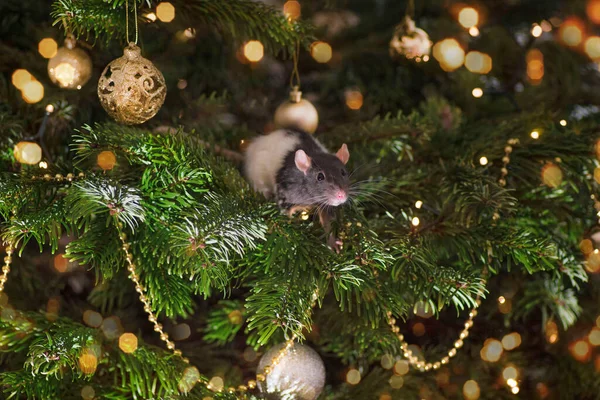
point(335, 243)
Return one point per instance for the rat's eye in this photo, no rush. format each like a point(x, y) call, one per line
point(321, 176)
point(343, 172)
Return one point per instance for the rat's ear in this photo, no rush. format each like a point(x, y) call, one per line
point(343, 154)
point(303, 161)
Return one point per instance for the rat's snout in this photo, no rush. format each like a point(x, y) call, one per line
point(340, 195)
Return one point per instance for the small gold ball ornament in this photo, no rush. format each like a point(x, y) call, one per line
point(71, 67)
point(410, 41)
point(297, 113)
point(131, 89)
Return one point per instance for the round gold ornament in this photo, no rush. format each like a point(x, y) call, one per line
point(297, 113)
point(71, 67)
point(131, 89)
point(299, 375)
point(410, 41)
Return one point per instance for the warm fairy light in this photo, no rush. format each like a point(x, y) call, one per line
point(511, 341)
point(106, 160)
point(236, 317)
point(580, 350)
point(535, 66)
point(65, 74)
point(88, 362)
point(478, 62)
point(536, 31)
point(468, 17)
point(592, 47)
point(29, 153)
point(32, 92)
point(492, 350)
point(181, 332)
point(304, 215)
point(92, 318)
point(418, 329)
point(49, 108)
point(571, 32)
point(511, 382)
point(418, 204)
point(165, 11)
point(151, 16)
point(396, 382)
point(510, 373)
point(477, 93)
point(401, 367)
point(483, 160)
point(353, 376)
point(20, 77)
point(474, 31)
point(594, 336)
point(215, 384)
point(501, 300)
point(111, 327)
point(535, 135)
point(354, 99)
point(515, 390)
point(190, 377)
point(450, 54)
point(415, 221)
point(254, 51)
point(292, 10)
point(471, 390)
point(563, 122)
point(189, 33)
point(552, 175)
point(592, 263)
point(387, 361)
point(47, 47)
point(321, 52)
point(551, 332)
point(88, 392)
point(593, 11)
point(128, 343)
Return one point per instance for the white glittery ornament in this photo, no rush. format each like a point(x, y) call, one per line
point(410, 41)
point(300, 375)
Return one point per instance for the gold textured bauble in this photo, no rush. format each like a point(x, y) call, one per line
point(131, 89)
point(410, 41)
point(71, 67)
point(299, 375)
point(297, 113)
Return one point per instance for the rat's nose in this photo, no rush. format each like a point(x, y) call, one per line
point(340, 195)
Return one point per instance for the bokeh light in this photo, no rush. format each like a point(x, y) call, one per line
point(92, 318)
point(20, 77)
point(551, 332)
point(254, 51)
point(491, 351)
point(188, 380)
point(536, 31)
point(580, 350)
point(401, 367)
point(353, 376)
point(571, 32)
point(510, 372)
point(354, 99)
point(106, 160)
point(111, 327)
point(396, 382)
point(128, 343)
point(477, 93)
point(88, 362)
point(29, 153)
point(32, 92)
point(593, 11)
point(511, 341)
point(321, 52)
point(165, 11)
point(478, 62)
point(47, 47)
point(468, 17)
point(88, 392)
point(471, 390)
point(535, 66)
point(216, 384)
point(449, 54)
point(592, 47)
point(552, 175)
point(292, 10)
point(181, 331)
point(594, 336)
point(535, 134)
point(387, 361)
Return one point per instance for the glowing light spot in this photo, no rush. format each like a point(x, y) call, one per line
point(111, 327)
point(189, 33)
point(571, 32)
point(354, 99)
point(536, 31)
point(492, 350)
point(216, 384)
point(515, 390)
point(563, 122)
point(65, 74)
point(535, 135)
point(594, 336)
point(88, 362)
point(88, 393)
point(449, 53)
point(511, 382)
point(401, 367)
point(128, 343)
point(552, 175)
point(468, 17)
point(292, 10)
point(151, 16)
point(511, 341)
point(593, 11)
point(353, 377)
point(32, 92)
point(106, 160)
point(477, 93)
point(505, 307)
point(501, 300)
point(396, 382)
point(236, 317)
point(92, 318)
point(20, 77)
point(474, 31)
point(47, 47)
point(478, 62)
point(415, 221)
point(165, 12)
point(592, 263)
point(190, 377)
point(551, 332)
point(182, 331)
point(387, 361)
point(321, 52)
point(471, 390)
point(580, 350)
point(535, 66)
point(29, 153)
point(510, 373)
point(418, 204)
point(254, 51)
point(592, 47)
point(49, 108)
point(483, 160)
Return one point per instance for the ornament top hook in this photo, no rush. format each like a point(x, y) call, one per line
point(132, 51)
point(295, 94)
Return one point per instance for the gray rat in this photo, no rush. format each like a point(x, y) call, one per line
point(299, 172)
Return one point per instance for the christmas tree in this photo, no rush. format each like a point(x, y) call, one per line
point(139, 260)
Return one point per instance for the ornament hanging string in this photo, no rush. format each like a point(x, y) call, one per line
point(295, 72)
point(410, 8)
point(127, 20)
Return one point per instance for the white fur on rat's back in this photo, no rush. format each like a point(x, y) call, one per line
point(264, 158)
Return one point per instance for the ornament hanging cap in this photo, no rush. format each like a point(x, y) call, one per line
point(132, 51)
point(295, 94)
point(70, 41)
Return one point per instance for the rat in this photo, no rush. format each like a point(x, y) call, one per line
point(294, 168)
